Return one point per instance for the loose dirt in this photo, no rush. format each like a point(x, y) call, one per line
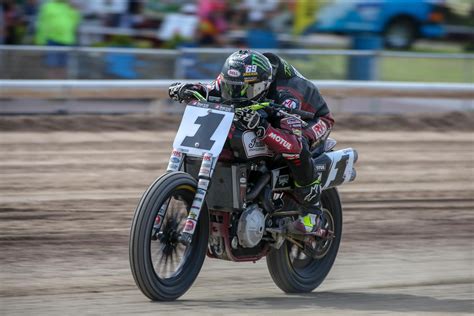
point(459, 121)
point(69, 187)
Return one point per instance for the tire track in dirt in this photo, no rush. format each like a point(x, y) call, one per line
point(67, 199)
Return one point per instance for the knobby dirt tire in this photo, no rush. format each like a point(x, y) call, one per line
point(297, 277)
point(141, 264)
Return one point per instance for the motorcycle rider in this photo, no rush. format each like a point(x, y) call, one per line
point(249, 77)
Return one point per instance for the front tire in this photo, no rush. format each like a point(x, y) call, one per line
point(163, 268)
point(292, 270)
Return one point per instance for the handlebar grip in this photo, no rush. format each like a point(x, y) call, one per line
point(305, 115)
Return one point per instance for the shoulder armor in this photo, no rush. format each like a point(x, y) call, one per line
point(283, 70)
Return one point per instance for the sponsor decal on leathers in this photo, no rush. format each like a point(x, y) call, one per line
point(280, 140)
point(290, 104)
point(253, 146)
point(319, 129)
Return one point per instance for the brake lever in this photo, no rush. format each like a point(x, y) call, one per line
point(296, 117)
point(270, 106)
point(195, 94)
point(284, 111)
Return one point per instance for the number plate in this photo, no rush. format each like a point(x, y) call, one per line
point(203, 130)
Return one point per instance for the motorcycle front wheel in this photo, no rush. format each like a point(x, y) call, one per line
point(292, 270)
point(164, 268)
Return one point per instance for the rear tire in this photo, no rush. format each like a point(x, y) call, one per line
point(153, 278)
point(302, 274)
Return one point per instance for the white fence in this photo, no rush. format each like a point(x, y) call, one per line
point(33, 62)
point(155, 89)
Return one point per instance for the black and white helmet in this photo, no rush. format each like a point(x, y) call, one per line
point(245, 76)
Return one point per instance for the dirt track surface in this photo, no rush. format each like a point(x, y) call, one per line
point(67, 199)
point(446, 121)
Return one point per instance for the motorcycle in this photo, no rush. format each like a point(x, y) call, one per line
point(235, 209)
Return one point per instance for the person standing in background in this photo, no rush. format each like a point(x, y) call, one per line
point(304, 15)
point(11, 23)
point(2, 26)
point(30, 14)
point(212, 22)
point(57, 25)
point(259, 35)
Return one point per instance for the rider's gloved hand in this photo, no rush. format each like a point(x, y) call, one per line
point(178, 91)
point(249, 119)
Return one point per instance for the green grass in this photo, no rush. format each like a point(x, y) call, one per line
point(390, 69)
point(427, 70)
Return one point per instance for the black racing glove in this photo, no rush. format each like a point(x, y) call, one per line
point(251, 120)
point(178, 91)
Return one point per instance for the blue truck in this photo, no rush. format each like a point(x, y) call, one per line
point(399, 22)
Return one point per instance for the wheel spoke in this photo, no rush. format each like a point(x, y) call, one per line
point(169, 255)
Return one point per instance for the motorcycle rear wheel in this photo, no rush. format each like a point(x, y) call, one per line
point(163, 268)
point(292, 270)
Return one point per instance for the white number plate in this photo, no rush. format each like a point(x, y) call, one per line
point(203, 130)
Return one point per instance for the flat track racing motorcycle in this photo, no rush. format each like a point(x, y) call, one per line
point(234, 209)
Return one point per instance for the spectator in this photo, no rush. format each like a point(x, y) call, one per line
point(206, 7)
point(57, 25)
point(259, 35)
point(2, 26)
point(12, 23)
point(212, 22)
point(281, 19)
point(30, 10)
point(134, 16)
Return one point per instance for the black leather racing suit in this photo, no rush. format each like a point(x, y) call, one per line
point(292, 90)
point(284, 135)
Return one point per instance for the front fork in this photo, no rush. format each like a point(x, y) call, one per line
point(208, 165)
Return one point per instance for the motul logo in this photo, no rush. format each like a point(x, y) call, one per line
point(280, 140)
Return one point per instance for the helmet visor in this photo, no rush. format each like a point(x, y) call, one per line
point(234, 91)
point(238, 91)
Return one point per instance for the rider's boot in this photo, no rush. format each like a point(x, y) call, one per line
point(312, 220)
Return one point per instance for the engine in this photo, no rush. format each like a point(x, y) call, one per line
point(251, 226)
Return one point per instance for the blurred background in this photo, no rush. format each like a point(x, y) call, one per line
point(164, 39)
point(69, 183)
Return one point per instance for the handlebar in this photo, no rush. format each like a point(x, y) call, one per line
point(305, 115)
point(195, 94)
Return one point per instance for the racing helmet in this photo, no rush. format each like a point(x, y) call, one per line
point(245, 76)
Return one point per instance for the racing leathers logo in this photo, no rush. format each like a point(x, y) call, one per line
point(316, 132)
point(290, 104)
point(319, 129)
point(280, 140)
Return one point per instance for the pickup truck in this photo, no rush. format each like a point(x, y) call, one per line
point(399, 22)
